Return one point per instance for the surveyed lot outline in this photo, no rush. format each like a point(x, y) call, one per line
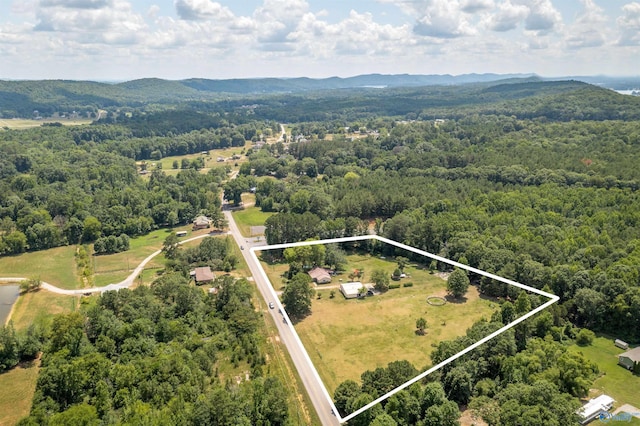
point(552, 299)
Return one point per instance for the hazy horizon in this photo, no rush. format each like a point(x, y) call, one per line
point(123, 40)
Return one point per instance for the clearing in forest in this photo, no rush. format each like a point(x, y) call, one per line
point(342, 338)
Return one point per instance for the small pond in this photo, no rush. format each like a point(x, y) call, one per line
point(8, 296)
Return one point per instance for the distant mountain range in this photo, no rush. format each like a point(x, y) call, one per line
point(20, 98)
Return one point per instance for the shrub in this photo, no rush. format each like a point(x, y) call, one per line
point(407, 285)
point(585, 337)
point(394, 286)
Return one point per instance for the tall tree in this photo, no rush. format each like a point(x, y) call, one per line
point(458, 283)
point(297, 296)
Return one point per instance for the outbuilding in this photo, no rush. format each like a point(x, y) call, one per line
point(630, 358)
point(355, 289)
point(621, 344)
point(594, 408)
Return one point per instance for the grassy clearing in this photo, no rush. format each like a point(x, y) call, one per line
point(113, 268)
point(56, 266)
point(615, 380)
point(248, 217)
point(344, 338)
point(40, 307)
point(22, 123)
point(210, 160)
point(18, 386)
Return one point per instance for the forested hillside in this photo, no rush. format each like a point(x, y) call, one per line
point(534, 181)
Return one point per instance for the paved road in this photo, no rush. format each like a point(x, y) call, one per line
point(309, 380)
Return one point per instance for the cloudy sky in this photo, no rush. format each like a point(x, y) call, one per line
point(175, 39)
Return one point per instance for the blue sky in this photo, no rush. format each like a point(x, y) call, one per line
point(175, 39)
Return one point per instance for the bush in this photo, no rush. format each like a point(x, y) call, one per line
point(394, 286)
point(407, 285)
point(585, 337)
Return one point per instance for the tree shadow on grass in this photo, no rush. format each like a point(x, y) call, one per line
point(457, 300)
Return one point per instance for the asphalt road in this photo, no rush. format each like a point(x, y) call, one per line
point(313, 386)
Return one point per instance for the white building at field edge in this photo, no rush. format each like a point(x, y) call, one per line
point(352, 290)
point(594, 408)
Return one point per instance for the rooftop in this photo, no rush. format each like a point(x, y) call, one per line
point(633, 354)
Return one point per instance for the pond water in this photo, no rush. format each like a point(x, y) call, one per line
point(8, 296)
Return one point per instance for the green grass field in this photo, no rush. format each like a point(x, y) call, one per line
point(615, 380)
point(40, 307)
point(56, 266)
point(23, 123)
point(251, 216)
point(113, 268)
point(344, 338)
point(211, 160)
point(18, 386)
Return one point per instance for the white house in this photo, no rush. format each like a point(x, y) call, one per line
point(353, 290)
point(594, 408)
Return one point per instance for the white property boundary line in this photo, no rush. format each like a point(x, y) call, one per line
point(553, 299)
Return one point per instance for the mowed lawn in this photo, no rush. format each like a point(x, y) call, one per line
point(615, 381)
point(113, 268)
point(23, 123)
point(344, 337)
point(248, 217)
point(17, 388)
point(56, 266)
point(40, 307)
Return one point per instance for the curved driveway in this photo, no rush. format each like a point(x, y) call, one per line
point(127, 282)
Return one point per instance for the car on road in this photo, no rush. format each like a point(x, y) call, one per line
point(271, 305)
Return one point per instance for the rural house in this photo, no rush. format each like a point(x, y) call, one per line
point(630, 358)
point(201, 222)
point(320, 275)
point(203, 275)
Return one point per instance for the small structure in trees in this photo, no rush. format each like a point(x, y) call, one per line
point(201, 222)
point(203, 275)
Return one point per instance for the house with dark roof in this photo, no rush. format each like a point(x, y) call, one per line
point(203, 275)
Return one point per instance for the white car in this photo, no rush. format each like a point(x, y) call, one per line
point(271, 305)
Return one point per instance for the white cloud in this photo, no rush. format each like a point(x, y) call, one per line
point(507, 18)
point(276, 19)
point(87, 22)
point(629, 25)
point(76, 4)
point(311, 37)
point(589, 28)
point(442, 19)
point(473, 6)
point(196, 10)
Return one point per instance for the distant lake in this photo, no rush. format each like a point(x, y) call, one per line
point(8, 296)
point(629, 91)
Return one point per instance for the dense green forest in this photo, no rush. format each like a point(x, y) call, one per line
point(534, 181)
point(64, 185)
point(151, 356)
